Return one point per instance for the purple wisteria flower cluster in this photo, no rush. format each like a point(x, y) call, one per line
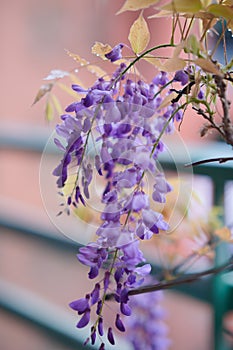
point(126, 119)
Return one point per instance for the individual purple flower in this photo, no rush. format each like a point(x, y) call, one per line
point(80, 305)
point(126, 178)
point(115, 53)
point(182, 77)
point(132, 255)
point(93, 335)
point(92, 255)
point(110, 336)
point(119, 324)
point(161, 188)
point(100, 327)
point(161, 79)
point(125, 309)
point(95, 294)
point(201, 94)
point(154, 221)
point(140, 201)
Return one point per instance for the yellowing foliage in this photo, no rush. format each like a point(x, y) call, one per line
point(139, 35)
point(100, 49)
point(134, 5)
point(183, 6)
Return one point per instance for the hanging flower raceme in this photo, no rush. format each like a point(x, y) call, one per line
point(127, 124)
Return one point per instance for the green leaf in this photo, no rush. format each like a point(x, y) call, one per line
point(139, 35)
point(184, 6)
point(134, 5)
point(193, 45)
point(49, 111)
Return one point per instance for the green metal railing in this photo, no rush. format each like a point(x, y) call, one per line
point(218, 290)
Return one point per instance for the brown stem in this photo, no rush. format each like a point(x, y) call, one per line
point(179, 281)
point(204, 161)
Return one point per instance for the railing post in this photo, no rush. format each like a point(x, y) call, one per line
point(220, 288)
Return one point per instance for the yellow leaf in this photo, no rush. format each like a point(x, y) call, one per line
point(77, 58)
point(160, 14)
point(173, 64)
point(56, 104)
point(190, 6)
point(206, 3)
point(49, 111)
point(167, 100)
point(44, 89)
point(224, 234)
point(100, 49)
point(208, 66)
point(139, 35)
point(220, 10)
point(134, 5)
point(228, 2)
point(201, 14)
point(153, 60)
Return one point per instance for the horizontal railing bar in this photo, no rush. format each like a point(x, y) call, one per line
point(38, 233)
point(46, 315)
point(39, 311)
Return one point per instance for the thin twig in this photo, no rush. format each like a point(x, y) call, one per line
point(204, 161)
point(178, 281)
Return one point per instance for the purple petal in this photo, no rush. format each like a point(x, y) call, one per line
point(93, 273)
point(100, 327)
point(143, 270)
point(99, 307)
point(119, 324)
point(125, 309)
point(98, 165)
point(182, 77)
point(59, 144)
point(93, 335)
point(80, 305)
point(78, 88)
point(106, 280)
point(84, 320)
point(124, 295)
point(110, 336)
point(95, 294)
point(115, 54)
